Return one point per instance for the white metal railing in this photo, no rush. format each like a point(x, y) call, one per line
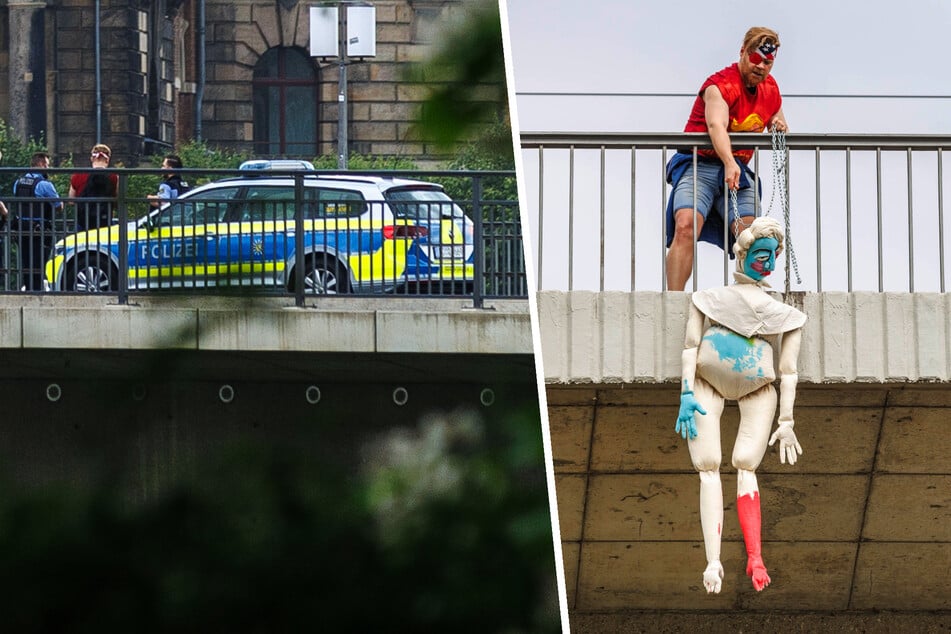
point(866, 213)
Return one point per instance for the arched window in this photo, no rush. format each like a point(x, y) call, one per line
point(285, 104)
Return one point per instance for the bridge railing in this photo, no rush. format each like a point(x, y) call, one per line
point(864, 212)
point(305, 239)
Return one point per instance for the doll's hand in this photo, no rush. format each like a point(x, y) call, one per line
point(685, 420)
point(789, 447)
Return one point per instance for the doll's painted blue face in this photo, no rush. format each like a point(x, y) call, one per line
point(761, 258)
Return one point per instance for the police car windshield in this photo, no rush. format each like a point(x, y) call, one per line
point(422, 204)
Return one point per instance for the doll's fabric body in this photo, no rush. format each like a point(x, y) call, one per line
point(734, 334)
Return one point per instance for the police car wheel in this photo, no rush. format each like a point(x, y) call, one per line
point(91, 273)
point(323, 275)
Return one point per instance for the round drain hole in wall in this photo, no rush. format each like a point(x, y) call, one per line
point(53, 392)
point(312, 394)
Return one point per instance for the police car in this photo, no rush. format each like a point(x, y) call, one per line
point(359, 234)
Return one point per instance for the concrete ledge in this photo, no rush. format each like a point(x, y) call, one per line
point(617, 338)
point(111, 327)
point(286, 330)
point(472, 331)
point(401, 325)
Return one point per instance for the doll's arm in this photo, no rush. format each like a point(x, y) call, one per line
point(789, 447)
point(686, 425)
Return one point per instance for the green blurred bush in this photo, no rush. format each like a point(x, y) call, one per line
point(268, 539)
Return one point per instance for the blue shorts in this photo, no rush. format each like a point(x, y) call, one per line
point(710, 191)
point(710, 198)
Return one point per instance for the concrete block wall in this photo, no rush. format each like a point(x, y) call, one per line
point(862, 523)
point(383, 105)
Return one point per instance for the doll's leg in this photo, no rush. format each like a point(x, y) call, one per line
point(705, 453)
point(756, 419)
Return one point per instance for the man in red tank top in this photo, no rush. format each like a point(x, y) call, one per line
point(742, 97)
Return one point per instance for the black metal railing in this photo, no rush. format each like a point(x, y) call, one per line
point(310, 234)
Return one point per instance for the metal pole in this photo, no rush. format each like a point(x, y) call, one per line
point(848, 217)
point(123, 281)
point(98, 54)
point(342, 149)
point(603, 218)
point(478, 266)
point(200, 87)
point(299, 260)
point(541, 214)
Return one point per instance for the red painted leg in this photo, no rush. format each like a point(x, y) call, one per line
point(748, 510)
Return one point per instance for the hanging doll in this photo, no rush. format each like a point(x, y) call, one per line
point(732, 335)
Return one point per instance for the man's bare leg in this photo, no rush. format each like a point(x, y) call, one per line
point(680, 253)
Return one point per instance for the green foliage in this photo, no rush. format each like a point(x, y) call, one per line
point(459, 511)
point(491, 151)
point(266, 538)
point(360, 162)
point(465, 76)
point(17, 153)
point(195, 155)
point(198, 154)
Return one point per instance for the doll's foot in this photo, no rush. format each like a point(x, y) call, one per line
point(713, 577)
point(756, 570)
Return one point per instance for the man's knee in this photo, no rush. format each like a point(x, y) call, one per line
point(684, 225)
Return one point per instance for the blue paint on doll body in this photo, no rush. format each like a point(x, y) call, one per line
point(741, 351)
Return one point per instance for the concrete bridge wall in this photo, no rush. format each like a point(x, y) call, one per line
point(92, 388)
point(861, 525)
point(615, 338)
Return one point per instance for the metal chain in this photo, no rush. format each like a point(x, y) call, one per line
point(736, 214)
point(779, 170)
point(780, 152)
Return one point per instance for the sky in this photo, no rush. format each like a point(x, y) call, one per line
point(830, 47)
point(634, 66)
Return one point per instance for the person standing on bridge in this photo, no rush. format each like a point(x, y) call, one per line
point(95, 184)
point(732, 333)
point(172, 185)
point(34, 219)
point(742, 97)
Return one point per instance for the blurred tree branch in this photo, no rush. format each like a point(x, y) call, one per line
point(466, 77)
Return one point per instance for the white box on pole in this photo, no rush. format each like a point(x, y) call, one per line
point(324, 32)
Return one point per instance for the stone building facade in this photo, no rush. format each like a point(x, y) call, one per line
point(135, 74)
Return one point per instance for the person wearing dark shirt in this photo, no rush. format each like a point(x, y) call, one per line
point(34, 219)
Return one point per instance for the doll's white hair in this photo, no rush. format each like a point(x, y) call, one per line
point(762, 227)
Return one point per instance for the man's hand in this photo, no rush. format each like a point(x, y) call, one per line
point(731, 174)
point(685, 420)
point(778, 123)
point(789, 447)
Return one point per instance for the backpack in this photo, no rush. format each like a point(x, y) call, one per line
point(93, 215)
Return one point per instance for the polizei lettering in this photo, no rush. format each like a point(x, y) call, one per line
point(164, 251)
